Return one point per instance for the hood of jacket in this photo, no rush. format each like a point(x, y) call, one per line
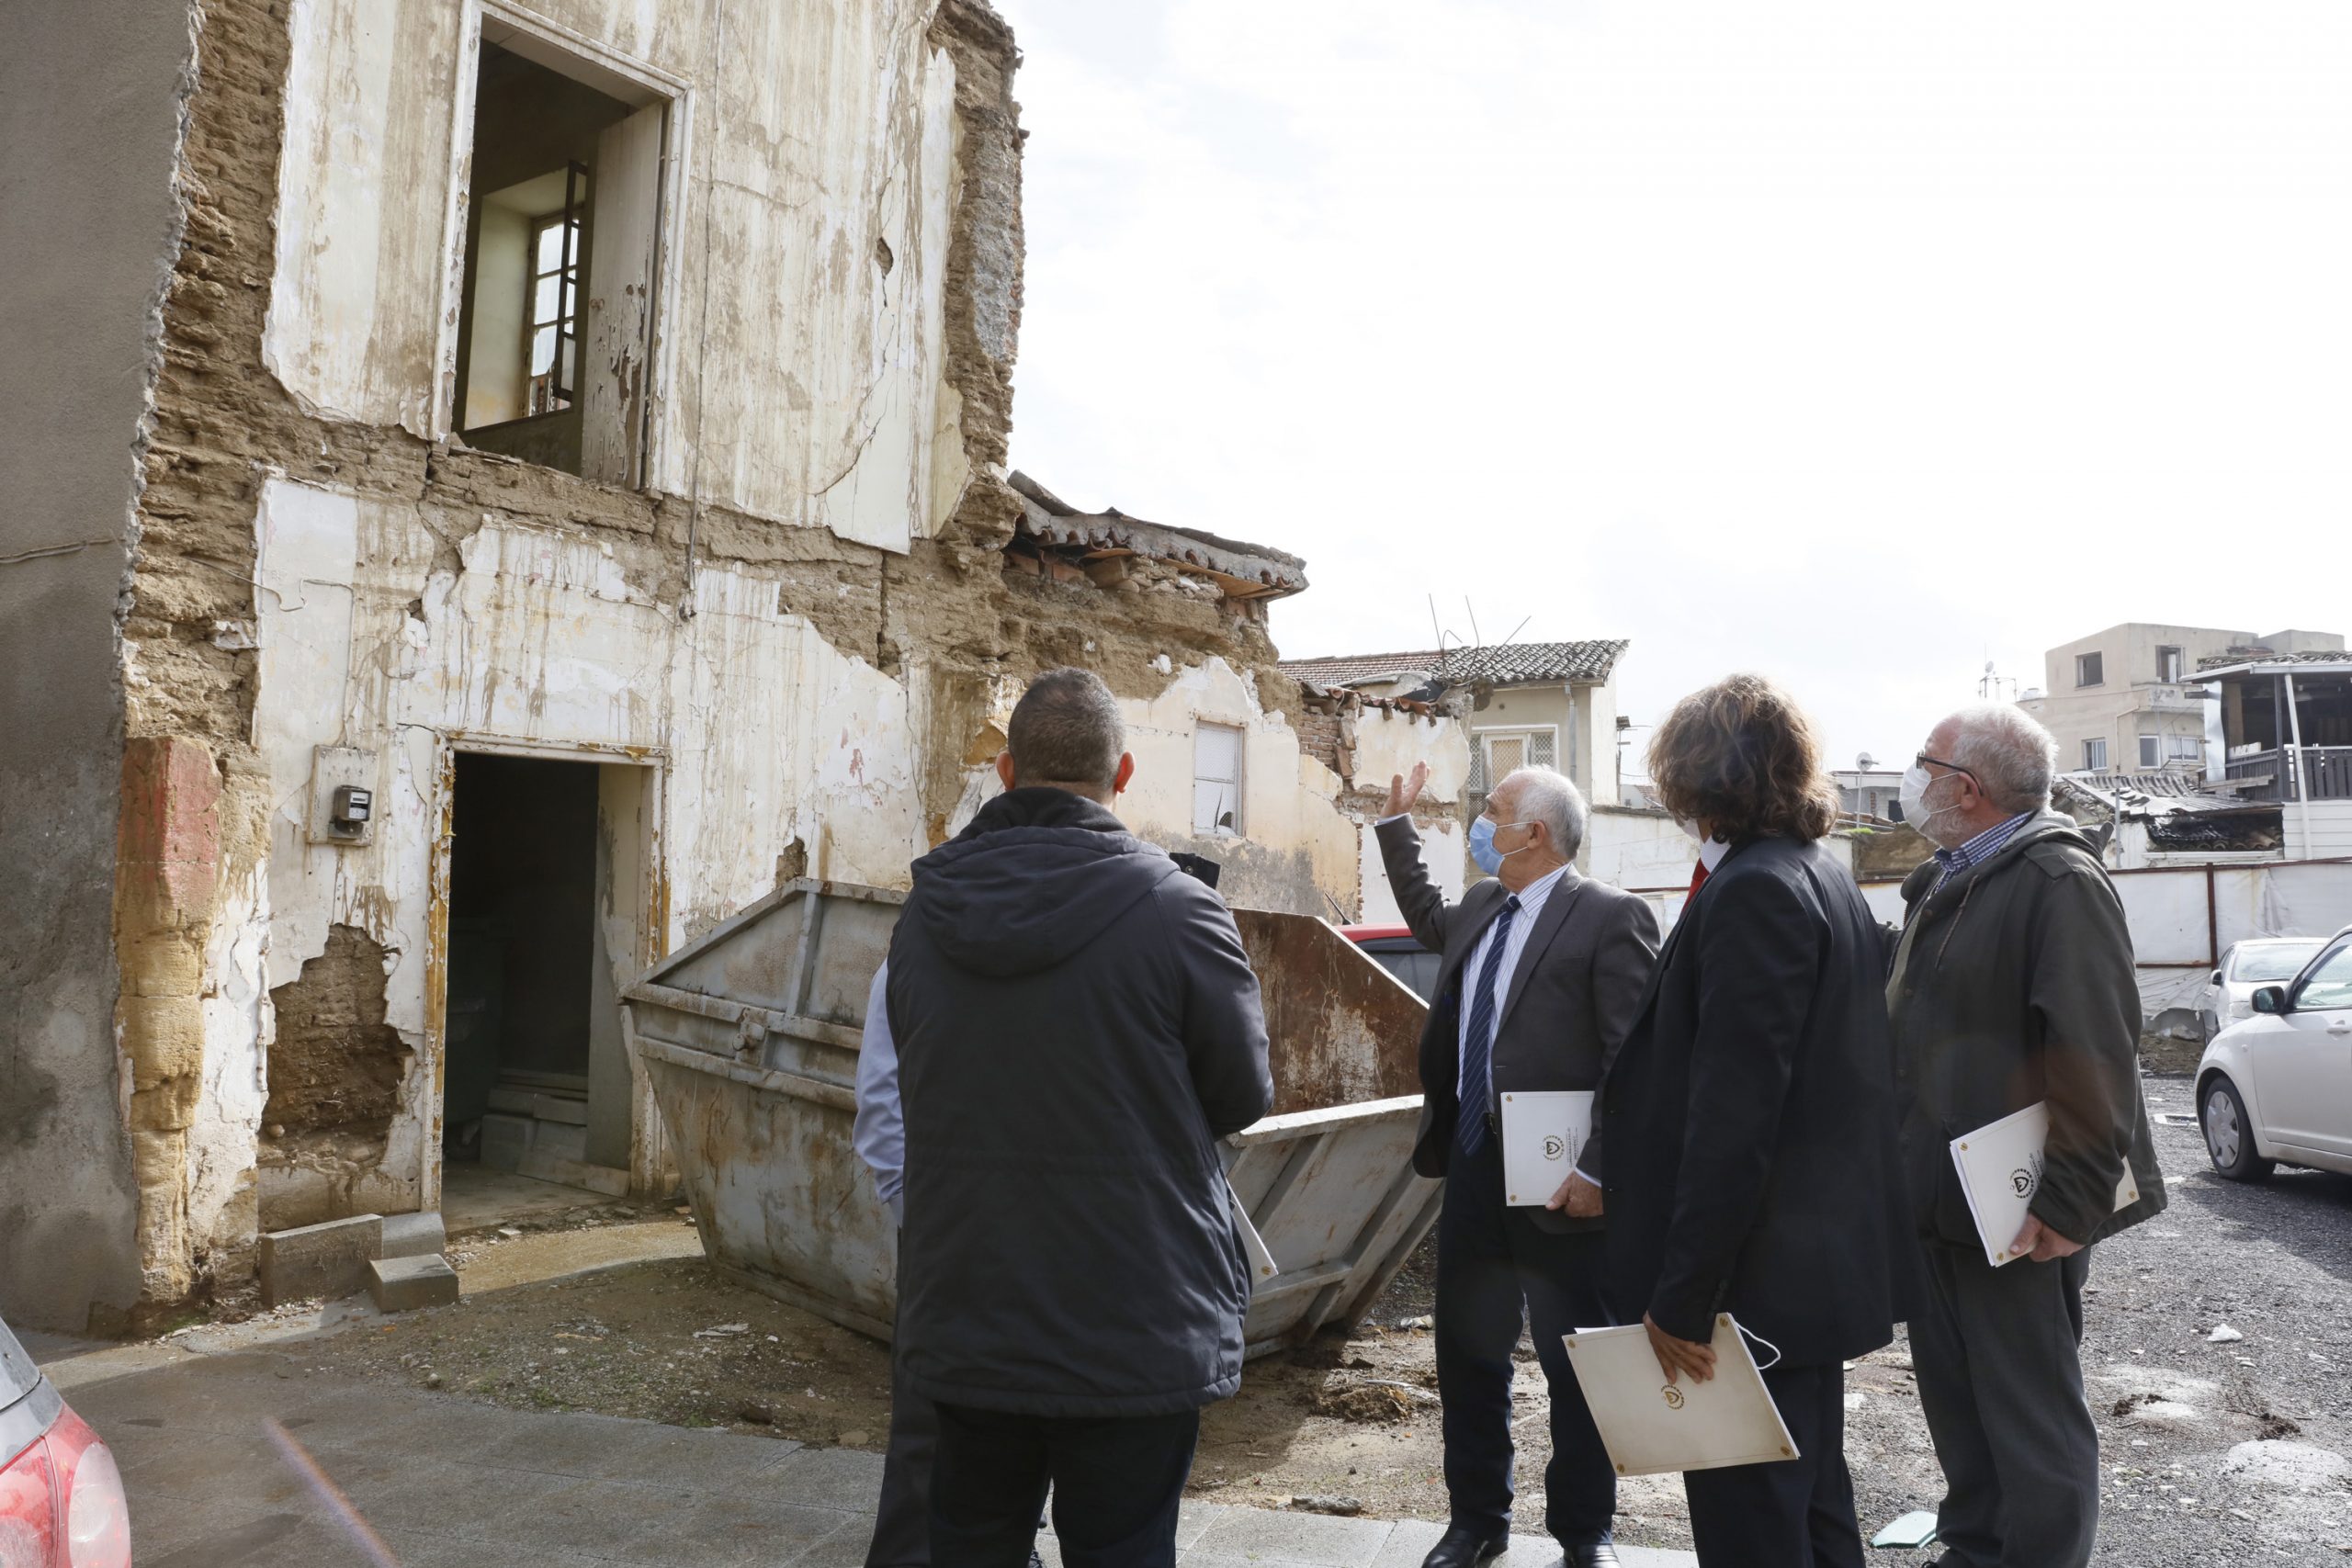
point(2046, 827)
point(1039, 874)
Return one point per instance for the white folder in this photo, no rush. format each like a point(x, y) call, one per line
point(1542, 1134)
point(1253, 1245)
point(2000, 1170)
point(1651, 1426)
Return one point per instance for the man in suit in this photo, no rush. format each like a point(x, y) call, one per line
point(1753, 1169)
point(1541, 973)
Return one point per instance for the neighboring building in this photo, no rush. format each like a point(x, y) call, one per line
point(2286, 724)
point(506, 494)
point(1548, 703)
point(1871, 792)
point(2126, 700)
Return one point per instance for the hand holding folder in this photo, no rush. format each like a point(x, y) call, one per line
point(1651, 1426)
point(2000, 1170)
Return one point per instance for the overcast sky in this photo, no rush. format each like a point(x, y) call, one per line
point(1856, 344)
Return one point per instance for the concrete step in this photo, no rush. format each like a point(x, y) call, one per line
point(403, 1284)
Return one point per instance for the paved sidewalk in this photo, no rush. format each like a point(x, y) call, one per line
point(445, 1482)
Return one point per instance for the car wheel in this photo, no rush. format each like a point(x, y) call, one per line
point(2229, 1134)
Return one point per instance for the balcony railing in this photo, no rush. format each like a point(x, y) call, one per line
point(2327, 774)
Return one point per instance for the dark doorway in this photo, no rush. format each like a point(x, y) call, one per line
point(529, 991)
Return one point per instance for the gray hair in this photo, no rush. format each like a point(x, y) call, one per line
point(1067, 730)
point(1547, 796)
point(2010, 755)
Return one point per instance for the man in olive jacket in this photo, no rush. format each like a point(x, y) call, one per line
point(2013, 983)
point(1075, 1024)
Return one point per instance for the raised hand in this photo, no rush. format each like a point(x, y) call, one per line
point(1406, 788)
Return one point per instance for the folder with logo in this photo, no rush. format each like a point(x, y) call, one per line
point(1651, 1427)
point(2000, 1170)
point(1542, 1133)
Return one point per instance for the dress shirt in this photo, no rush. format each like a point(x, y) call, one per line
point(1982, 847)
point(879, 1134)
point(1530, 904)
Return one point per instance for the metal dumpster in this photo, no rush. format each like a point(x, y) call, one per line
point(749, 1039)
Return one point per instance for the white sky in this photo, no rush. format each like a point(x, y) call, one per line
point(1856, 344)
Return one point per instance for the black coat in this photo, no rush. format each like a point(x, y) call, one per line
point(1077, 1025)
point(1753, 1166)
point(1565, 1009)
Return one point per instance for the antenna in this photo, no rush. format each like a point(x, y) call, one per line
point(1515, 631)
point(1338, 915)
point(1477, 639)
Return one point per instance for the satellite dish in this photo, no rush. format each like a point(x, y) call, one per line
point(1866, 761)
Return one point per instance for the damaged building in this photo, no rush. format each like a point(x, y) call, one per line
point(515, 483)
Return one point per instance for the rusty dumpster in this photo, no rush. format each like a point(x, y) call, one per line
point(750, 1035)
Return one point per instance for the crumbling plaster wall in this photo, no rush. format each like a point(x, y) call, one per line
point(315, 572)
point(370, 638)
point(801, 346)
point(91, 102)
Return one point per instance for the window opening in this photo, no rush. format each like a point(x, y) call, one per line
point(2151, 751)
point(2168, 664)
point(2091, 670)
point(553, 308)
point(562, 261)
point(2094, 756)
point(1216, 782)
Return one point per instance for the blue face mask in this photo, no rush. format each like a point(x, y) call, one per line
point(1482, 846)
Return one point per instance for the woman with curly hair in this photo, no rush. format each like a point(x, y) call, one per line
point(1753, 1169)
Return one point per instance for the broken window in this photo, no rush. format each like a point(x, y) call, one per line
point(2091, 670)
point(2094, 756)
point(555, 332)
point(2169, 662)
point(1216, 782)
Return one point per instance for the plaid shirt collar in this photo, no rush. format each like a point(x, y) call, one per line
point(1980, 849)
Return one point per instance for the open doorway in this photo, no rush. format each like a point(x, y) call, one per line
point(542, 920)
point(555, 330)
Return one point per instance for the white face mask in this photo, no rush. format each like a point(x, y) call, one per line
point(1917, 782)
point(1710, 850)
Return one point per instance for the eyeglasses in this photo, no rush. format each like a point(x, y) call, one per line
point(1923, 760)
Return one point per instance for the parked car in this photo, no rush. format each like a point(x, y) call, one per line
point(2276, 1088)
point(62, 1504)
point(1396, 950)
point(2228, 996)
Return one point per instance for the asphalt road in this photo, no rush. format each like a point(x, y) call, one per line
point(2232, 1452)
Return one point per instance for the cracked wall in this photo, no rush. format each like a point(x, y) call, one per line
point(334, 1070)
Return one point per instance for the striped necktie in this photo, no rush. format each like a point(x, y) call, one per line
point(1470, 1125)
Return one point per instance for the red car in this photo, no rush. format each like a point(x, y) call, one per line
point(1396, 950)
point(60, 1497)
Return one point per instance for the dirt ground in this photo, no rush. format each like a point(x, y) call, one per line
point(2214, 1450)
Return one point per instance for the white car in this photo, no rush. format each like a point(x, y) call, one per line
point(2277, 1089)
point(2228, 996)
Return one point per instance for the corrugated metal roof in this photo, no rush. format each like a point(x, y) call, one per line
point(1509, 664)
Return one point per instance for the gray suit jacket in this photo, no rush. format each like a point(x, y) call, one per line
point(1571, 1002)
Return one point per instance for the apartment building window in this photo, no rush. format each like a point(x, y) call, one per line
point(1216, 782)
point(2171, 664)
point(2090, 669)
point(2151, 751)
point(2094, 756)
point(2187, 748)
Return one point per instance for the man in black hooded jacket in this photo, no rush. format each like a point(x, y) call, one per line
point(1077, 1024)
